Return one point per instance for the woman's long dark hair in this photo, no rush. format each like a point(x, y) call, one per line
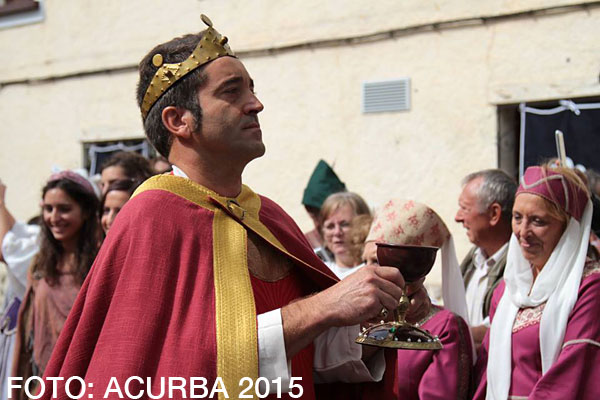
point(51, 250)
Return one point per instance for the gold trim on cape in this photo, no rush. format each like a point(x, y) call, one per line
point(247, 200)
point(235, 311)
point(237, 336)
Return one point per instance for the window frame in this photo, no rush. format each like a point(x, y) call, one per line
point(12, 7)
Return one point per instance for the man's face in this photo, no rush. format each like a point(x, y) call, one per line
point(230, 126)
point(469, 214)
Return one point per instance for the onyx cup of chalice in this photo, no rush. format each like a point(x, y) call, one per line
point(414, 262)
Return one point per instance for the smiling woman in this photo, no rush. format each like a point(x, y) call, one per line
point(69, 241)
point(538, 226)
point(544, 339)
point(63, 216)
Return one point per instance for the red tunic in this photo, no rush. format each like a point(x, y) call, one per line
point(273, 295)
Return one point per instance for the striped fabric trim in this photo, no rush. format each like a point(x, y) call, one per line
point(578, 341)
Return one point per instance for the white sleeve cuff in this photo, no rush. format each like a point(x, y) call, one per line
point(338, 358)
point(272, 359)
point(19, 246)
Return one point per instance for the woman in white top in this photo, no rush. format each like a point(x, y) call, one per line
point(336, 215)
point(18, 244)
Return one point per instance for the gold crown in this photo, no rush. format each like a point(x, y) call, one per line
point(211, 46)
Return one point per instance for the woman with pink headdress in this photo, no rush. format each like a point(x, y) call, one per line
point(544, 341)
point(69, 240)
point(426, 374)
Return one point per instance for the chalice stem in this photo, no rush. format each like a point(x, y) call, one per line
point(402, 309)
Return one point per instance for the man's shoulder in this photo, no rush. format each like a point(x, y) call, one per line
point(498, 268)
point(174, 190)
point(270, 204)
point(467, 261)
point(152, 198)
point(270, 210)
point(158, 208)
point(502, 253)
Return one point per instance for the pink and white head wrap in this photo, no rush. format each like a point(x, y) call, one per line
point(73, 177)
point(408, 222)
point(412, 223)
point(555, 188)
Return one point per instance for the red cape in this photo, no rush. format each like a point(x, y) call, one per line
point(147, 307)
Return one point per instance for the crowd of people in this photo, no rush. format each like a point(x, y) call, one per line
point(537, 239)
point(49, 257)
point(199, 276)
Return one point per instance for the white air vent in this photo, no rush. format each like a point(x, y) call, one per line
point(386, 96)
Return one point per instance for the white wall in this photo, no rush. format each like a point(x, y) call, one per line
point(459, 74)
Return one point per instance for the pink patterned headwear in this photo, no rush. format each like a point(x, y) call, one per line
point(408, 222)
point(74, 177)
point(556, 188)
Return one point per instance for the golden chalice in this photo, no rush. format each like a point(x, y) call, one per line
point(414, 262)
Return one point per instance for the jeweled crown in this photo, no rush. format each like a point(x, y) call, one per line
point(211, 46)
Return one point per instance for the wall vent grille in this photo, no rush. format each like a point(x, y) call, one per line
point(386, 96)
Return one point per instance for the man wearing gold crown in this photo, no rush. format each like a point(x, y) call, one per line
point(200, 277)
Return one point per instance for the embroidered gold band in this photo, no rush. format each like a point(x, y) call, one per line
point(235, 312)
point(237, 350)
point(237, 339)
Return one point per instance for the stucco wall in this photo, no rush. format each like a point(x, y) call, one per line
point(311, 95)
point(87, 35)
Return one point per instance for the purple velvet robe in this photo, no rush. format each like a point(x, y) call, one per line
point(575, 374)
point(439, 374)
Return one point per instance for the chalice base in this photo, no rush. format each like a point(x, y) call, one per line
point(399, 335)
